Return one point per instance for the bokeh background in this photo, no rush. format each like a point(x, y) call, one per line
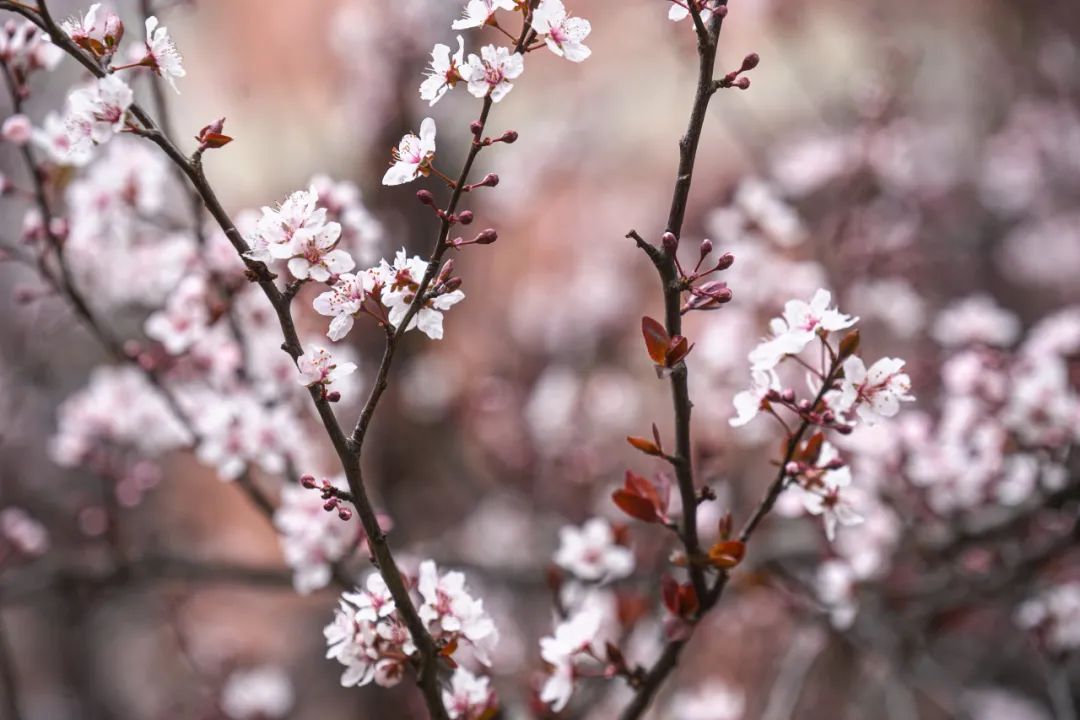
point(906, 155)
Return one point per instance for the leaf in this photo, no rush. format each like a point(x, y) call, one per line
point(646, 446)
point(726, 554)
point(812, 450)
point(216, 140)
point(656, 340)
point(849, 345)
point(635, 506)
point(639, 485)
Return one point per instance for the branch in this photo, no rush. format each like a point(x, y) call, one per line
point(680, 394)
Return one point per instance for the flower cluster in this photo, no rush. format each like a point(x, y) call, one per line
point(386, 292)
point(591, 552)
point(297, 231)
point(845, 393)
point(371, 640)
point(1054, 616)
point(489, 73)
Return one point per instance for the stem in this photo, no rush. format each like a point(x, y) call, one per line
point(669, 277)
point(8, 678)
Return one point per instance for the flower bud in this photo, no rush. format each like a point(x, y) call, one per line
point(425, 197)
point(792, 468)
point(788, 395)
point(308, 481)
point(669, 242)
point(344, 513)
point(330, 504)
point(509, 137)
point(706, 247)
point(725, 261)
point(750, 62)
point(476, 127)
point(742, 83)
point(486, 237)
point(333, 396)
point(490, 180)
point(465, 217)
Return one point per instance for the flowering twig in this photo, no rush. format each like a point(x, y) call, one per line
point(666, 268)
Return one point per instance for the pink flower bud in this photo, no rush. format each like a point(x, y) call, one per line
point(308, 481)
point(486, 237)
point(330, 504)
point(706, 247)
point(490, 180)
point(333, 396)
point(750, 62)
point(17, 130)
point(509, 137)
point(742, 83)
point(788, 395)
point(465, 217)
point(476, 127)
point(670, 243)
point(792, 468)
point(725, 261)
point(425, 197)
point(344, 513)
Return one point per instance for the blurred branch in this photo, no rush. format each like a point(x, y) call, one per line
point(25, 585)
point(8, 677)
point(787, 688)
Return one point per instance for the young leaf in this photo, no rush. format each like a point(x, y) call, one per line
point(656, 340)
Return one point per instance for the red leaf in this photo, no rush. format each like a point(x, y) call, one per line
point(646, 446)
point(638, 485)
point(669, 591)
point(656, 340)
point(635, 506)
point(727, 554)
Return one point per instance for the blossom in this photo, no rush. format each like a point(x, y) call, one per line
point(276, 228)
point(478, 13)
point(468, 696)
point(317, 367)
point(185, 317)
point(52, 137)
point(22, 532)
point(444, 73)
point(99, 35)
point(375, 601)
point(680, 10)
point(402, 280)
point(259, 693)
point(715, 700)
point(820, 491)
point(413, 155)
point(875, 393)
point(572, 637)
point(17, 129)
point(1055, 614)
point(344, 301)
point(97, 112)
point(369, 650)
point(451, 612)
point(314, 254)
point(161, 53)
point(591, 553)
point(797, 327)
point(976, 320)
point(563, 35)
point(749, 402)
point(491, 73)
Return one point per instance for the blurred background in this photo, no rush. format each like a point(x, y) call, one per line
point(908, 156)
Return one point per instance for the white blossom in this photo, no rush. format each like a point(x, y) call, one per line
point(564, 35)
point(444, 73)
point(491, 73)
point(590, 552)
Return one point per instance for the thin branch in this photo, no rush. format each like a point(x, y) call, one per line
point(9, 677)
point(708, 37)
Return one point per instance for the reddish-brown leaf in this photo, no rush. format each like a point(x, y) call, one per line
point(635, 506)
point(812, 450)
point(656, 339)
point(727, 554)
point(669, 591)
point(646, 446)
point(639, 485)
point(849, 345)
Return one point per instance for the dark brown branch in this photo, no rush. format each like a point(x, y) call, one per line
point(9, 677)
point(260, 273)
point(708, 37)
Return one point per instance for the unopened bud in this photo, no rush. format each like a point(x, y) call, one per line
point(669, 242)
point(742, 83)
point(509, 137)
point(465, 217)
point(344, 513)
point(805, 405)
point(451, 285)
point(750, 62)
point(476, 127)
point(425, 197)
point(446, 271)
point(706, 247)
point(333, 396)
point(792, 468)
point(788, 395)
point(330, 504)
point(490, 180)
point(725, 261)
point(486, 237)
point(308, 481)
